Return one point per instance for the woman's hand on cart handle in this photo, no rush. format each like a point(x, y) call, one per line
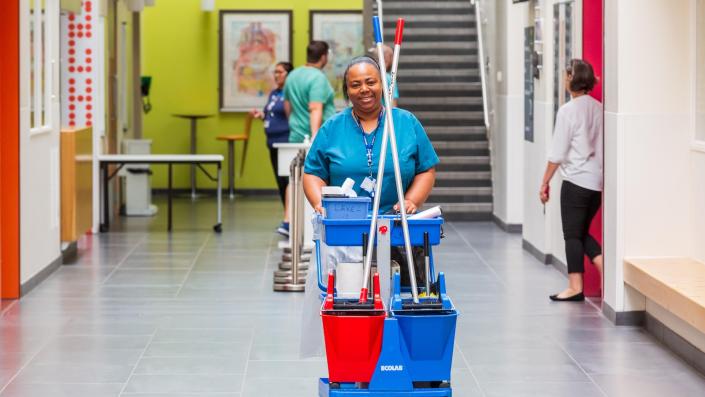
point(410, 206)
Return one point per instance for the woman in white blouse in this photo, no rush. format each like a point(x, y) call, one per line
point(577, 151)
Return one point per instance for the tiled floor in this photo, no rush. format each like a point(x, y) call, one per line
point(145, 313)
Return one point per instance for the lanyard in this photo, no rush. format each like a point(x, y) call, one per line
point(369, 146)
point(272, 102)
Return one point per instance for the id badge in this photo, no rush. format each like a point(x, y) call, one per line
point(368, 185)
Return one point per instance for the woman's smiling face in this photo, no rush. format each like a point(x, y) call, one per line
point(364, 87)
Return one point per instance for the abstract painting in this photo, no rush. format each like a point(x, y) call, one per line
point(342, 30)
point(251, 44)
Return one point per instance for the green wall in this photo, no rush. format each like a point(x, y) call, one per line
point(180, 52)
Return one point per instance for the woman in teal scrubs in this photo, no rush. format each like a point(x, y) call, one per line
point(348, 146)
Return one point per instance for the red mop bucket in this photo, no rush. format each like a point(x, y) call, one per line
point(353, 335)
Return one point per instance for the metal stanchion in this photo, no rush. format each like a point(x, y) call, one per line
point(294, 279)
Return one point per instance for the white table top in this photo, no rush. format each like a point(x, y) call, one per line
point(286, 145)
point(161, 158)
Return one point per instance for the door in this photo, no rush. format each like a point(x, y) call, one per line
point(592, 53)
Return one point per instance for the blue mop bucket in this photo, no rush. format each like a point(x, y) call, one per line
point(427, 336)
point(427, 344)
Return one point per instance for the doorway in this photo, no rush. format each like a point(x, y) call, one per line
point(592, 52)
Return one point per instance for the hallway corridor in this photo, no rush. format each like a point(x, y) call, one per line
point(146, 313)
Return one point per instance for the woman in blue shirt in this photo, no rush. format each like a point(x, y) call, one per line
point(276, 127)
point(348, 146)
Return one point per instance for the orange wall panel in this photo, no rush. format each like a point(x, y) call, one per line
point(9, 150)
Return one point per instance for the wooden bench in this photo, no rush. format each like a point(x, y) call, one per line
point(677, 284)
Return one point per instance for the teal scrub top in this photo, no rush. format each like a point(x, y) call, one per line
point(304, 85)
point(339, 152)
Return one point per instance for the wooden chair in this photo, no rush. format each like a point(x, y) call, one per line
point(231, 139)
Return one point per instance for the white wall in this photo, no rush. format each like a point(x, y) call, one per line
point(698, 203)
point(698, 152)
point(39, 171)
point(648, 131)
point(508, 136)
point(539, 222)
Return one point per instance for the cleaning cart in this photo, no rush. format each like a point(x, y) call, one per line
point(405, 349)
point(399, 349)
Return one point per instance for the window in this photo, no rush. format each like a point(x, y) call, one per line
point(700, 72)
point(562, 51)
point(42, 60)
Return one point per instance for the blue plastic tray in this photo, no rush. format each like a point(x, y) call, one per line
point(346, 207)
point(348, 232)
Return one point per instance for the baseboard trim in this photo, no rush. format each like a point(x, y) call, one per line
point(558, 264)
point(631, 318)
point(676, 343)
point(543, 258)
point(29, 285)
point(244, 192)
point(507, 227)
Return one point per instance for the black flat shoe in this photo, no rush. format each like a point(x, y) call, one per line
point(579, 297)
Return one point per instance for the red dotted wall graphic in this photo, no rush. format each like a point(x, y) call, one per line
point(78, 78)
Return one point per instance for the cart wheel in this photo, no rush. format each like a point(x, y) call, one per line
point(334, 385)
point(218, 228)
point(103, 228)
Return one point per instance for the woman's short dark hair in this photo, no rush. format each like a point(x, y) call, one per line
point(287, 66)
point(582, 76)
point(316, 50)
point(353, 62)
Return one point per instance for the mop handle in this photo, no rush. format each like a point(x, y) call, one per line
point(390, 133)
point(395, 58)
point(382, 160)
point(395, 158)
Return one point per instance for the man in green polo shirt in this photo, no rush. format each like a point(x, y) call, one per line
point(308, 94)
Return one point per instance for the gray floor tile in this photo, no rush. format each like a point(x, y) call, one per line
point(534, 388)
point(62, 390)
point(287, 369)
point(180, 395)
point(683, 384)
point(539, 372)
point(74, 373)
point(198, 349)
point(277, 387)
point(185, 383)
point(192, 365)
point(138, 291)
point(147, 277)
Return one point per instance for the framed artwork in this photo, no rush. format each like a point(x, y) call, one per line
point(251, 44)
point(342, 30)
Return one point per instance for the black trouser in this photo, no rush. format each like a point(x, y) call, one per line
point(578, 207)
point(282, 181)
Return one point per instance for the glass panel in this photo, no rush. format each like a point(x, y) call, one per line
point(562, 51)
point(700, 71)
point(31, 63)
point(42, 69)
